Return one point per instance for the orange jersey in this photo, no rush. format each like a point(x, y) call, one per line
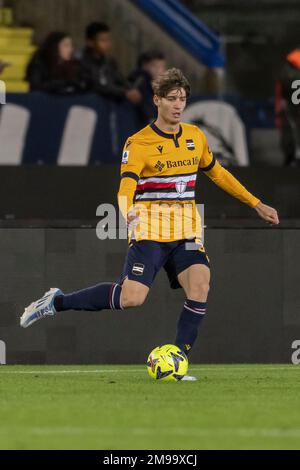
point(158, 179)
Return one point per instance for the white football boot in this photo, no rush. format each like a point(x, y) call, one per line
point(40, 308)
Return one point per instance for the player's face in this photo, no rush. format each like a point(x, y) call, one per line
point(101, 43)
point(65, 49)
point(171, 107)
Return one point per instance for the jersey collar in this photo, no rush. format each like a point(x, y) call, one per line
point(166, 135)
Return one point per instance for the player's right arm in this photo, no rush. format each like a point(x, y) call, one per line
point(131, 168)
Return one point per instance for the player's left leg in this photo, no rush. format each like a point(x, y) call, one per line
point(195, 282)
point(188, 267)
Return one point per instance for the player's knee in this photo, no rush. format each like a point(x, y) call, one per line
point(198, 291)
point(133, 299)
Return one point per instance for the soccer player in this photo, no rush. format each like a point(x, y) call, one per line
point(159, 168)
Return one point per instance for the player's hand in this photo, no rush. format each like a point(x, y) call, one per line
point(134, 95)
point(132, 220)
point(269, 214)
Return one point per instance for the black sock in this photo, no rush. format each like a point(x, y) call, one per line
point(188, 324)
point(101, 296)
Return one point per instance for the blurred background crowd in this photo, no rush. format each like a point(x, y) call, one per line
point(57, 68)
point(242, 83)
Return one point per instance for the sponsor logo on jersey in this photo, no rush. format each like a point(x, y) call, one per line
point(160, 148)
point(190, 144)
point(186, 162)
point(125, 156)
point(159, 165)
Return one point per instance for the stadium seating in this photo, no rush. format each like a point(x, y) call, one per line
point(15, 48)
point(186, 29)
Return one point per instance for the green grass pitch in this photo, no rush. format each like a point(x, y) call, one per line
point(120, 407)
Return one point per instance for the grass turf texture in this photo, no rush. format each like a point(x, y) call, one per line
point(120, 407)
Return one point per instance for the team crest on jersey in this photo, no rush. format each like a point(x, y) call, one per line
point(190, 144)
point(138, 269)
point(125, 156)
point(180, 186)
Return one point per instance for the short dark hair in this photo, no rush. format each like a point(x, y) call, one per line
point(170, 80)
point(148, 56)
point(94, 28)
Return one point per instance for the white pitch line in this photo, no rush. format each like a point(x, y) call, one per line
point(221, 432)
point(103, 371)
point(67, 371)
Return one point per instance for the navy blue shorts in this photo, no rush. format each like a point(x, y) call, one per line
point(145, 258)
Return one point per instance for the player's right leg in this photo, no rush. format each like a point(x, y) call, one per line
point(102, 296)
point(40, 308)
point(133, 293)
point(141, 265)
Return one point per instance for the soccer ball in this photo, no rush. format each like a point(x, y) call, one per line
point(167, 362)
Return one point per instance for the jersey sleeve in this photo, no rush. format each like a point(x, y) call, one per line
point(207, 160)
point(223, 178)
point(132, 165)
point(132, 160)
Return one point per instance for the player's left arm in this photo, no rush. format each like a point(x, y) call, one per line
point(226, 181)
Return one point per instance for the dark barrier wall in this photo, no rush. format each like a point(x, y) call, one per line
point(75, 193)
point(253, 314)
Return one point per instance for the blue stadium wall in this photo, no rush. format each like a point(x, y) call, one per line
point(87, 129)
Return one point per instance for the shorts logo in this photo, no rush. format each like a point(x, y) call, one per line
point(125, 156)
point(138, 269)
point(190, 144)
point(180, 186)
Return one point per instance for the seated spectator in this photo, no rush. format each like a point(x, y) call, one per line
point(150, 65)
point(54, 69)
point(102, 69)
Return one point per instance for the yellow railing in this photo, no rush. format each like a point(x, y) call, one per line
point(16, 50)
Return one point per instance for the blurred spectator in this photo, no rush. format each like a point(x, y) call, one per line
point(287, 112)
point(106, 78)
point(54, 69)
point(150, 65)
